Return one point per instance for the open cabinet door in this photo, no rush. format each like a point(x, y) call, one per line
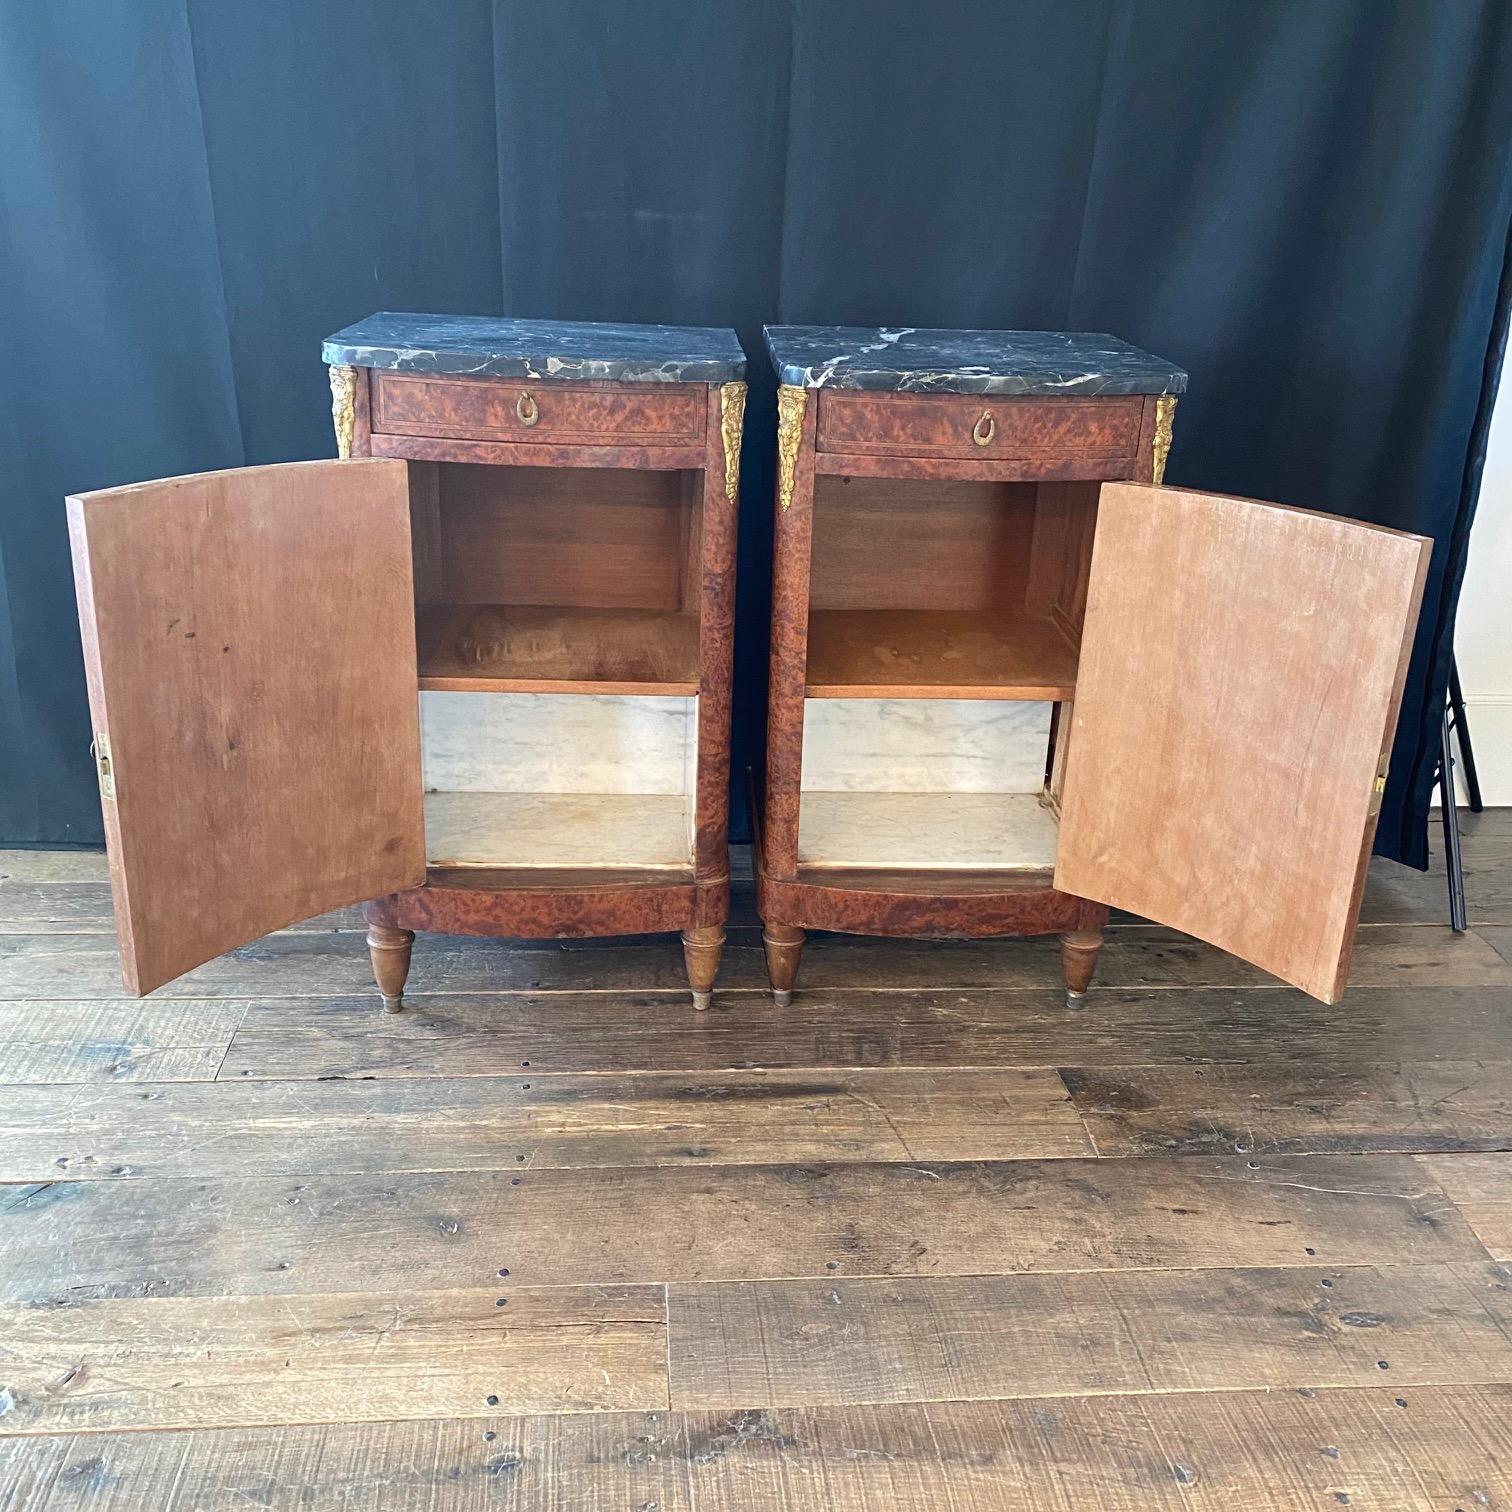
point(250, 647)
point(1241, 670)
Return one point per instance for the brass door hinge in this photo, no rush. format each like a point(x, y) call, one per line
point(100, 749)
point(1378, 788)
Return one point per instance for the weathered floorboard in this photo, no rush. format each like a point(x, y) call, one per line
point(1441, 1449)
point(568, 1463)
point(242, 1128)
point(1142, 956)
point(127, 1040)
point(492, 1035)
point(173, 1362)
point(610, 1226)
point(29, 866)
point(321, 963)
point(1499, 937)
point(1295, 1107)
point(85, 908)
point(1480, 1186)
point(810, 1343)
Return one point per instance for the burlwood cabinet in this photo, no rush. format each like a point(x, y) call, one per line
point(1016, 682)
point(475, 674)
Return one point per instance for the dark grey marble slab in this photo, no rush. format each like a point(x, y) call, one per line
point(496, 347)
point(905, 359)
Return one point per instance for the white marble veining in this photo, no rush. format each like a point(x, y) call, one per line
point(558, 829)
point(502, 347)
point(907, 359)
point(924, 745)
point(557, 743)
point(939, 831)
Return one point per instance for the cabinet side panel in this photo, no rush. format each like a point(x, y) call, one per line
point(425, 532)
point(713, 540)
point(1065, 519)
point(792, 530)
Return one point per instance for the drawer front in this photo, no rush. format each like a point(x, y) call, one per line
point(524, 410)
point(980, 427)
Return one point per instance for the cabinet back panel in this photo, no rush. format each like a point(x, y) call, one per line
point(556, 743)
point(913, 745)
point(889, 543)
point(560, 536)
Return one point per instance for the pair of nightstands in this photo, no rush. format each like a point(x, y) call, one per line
point(1014, 682)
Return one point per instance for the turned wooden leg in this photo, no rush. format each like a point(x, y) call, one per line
point(701, 948)
point(390, 950)
point(783, 944)
point(1079, 951)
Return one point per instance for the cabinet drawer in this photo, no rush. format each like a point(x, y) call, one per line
point(977, 426)
point(526, 410)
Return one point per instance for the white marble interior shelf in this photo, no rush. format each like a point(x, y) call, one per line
point(938, 831)
point(650, 830)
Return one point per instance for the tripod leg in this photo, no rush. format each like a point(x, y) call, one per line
point(1453, 862)
point(1462, 730)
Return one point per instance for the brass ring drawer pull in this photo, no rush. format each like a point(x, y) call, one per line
point(984, 430)
point(527, 411)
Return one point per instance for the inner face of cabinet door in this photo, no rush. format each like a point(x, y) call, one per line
point(1240, 674)
point(250, 649)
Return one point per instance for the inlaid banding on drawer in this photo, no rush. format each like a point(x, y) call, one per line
point(975, 426)
point(532, 411)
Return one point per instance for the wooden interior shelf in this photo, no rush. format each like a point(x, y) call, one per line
point(482, 648)
point(938, 653)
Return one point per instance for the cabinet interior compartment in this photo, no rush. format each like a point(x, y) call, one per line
point(926, 784)
point(556, 579)
point(601, 781)
point(946, 589)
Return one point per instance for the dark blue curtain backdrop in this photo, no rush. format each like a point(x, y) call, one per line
point(1305, 202)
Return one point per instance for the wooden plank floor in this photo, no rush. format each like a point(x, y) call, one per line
point(926, 1240)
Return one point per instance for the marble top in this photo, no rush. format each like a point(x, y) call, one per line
point(496, 347)
point(903, 358)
